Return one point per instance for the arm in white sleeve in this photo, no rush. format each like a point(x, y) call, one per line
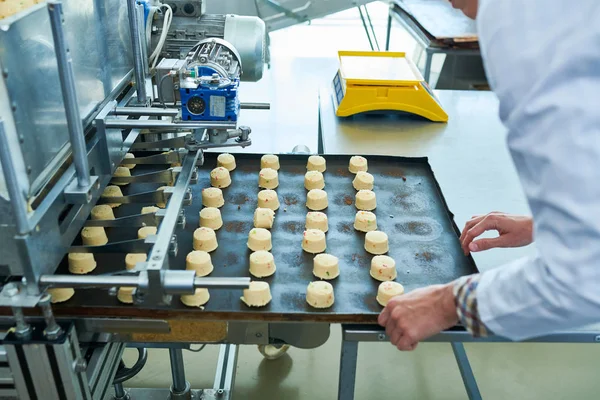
point(543, 60)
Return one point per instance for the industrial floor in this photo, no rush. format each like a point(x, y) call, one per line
point(503, 371)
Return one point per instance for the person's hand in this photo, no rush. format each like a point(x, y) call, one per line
point(513, 230)
point(412, 317)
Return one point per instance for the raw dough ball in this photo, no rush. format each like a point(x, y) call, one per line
point(205, 239)
point(357, 163)
point(314, 180)
point(387, 290)
point(319, 294)
point(149, 210)
point(226, 160)
point(212, 197)
point(316, 163)
point(269, 161)
point(363, 181)
point(161, 204)
point(103, 211)
point(199, 298)
point(262, 264)
point(60, 295)
point(259, 239)
point(263, 218)
point(314, 241)
point(112, 191)
point(376, 242)
point(81, 263)
point(326, 266)
point(268, 199)
point(268, 178)
point(133, 258)
point(317, 220)
point(94, 236)
point(210, 217)
point(122, 172)
point(130, 166)
point(200, 262)
point(146, 231)
point(316, 200)
point(257, 295)
point(383, 268)
point(365, 221)
point(125, 294)
point(366, 200)
point(219, 177)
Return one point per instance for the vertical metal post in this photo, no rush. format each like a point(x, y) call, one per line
point(180, 388)
point(347, 378)
point(120, 393)
point(67, 83)
point(22, 330)
point(136, 41)
point(428, 61)
point(389, 27)
point(17, 198)
point(465, 371)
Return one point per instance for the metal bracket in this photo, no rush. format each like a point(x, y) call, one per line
point(75, 194)
point(14, 295)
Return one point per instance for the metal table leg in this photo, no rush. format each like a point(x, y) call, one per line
point(347, 378)
point(389, 30)
point(181, 388)
point(465, 371)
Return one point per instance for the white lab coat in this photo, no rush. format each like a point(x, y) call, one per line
point(542, 58)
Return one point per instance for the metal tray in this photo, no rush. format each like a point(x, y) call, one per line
point(410, 209)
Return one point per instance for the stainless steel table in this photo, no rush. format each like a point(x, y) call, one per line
point(469, 157)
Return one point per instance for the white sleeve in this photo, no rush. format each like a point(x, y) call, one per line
point(543, 60)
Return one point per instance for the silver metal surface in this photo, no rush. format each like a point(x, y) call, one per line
point(102, 365)
point(255, 106)
point(159, 124)
point(136, 46)
point(53, 330)
point(139, 111)
point(100, 51)
point(347, 375)
point(17, 198)
point(69, 95)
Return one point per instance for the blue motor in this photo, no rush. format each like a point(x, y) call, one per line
point(210, 81)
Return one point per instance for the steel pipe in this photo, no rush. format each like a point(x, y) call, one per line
point(67, 84)
point(151, 124)
point(145, 111)
point(136, 46)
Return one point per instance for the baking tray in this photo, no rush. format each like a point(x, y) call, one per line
point(410, 209)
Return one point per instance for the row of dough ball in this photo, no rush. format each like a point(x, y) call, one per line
point(319, 294)
point(213, 197)
point(115, 191)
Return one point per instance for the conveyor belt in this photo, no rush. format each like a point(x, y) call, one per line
point(411, 210)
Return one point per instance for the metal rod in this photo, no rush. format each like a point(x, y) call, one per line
point(17, 198)
point(119, 391)
point(255, 106)
point(389, 29)
point(134, 29)
point(70, 281)
point(143, 111)
point(362, 17)
point(149, 124)
point(177, 371)
point(23, 330)
point(222, 283)
point(69, 94)
point(52, 330)
point(465, 371)
point(372, 28)
point(108, 281)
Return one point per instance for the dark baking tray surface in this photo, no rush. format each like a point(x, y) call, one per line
point(410, 209)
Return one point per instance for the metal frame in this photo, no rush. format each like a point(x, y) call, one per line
point(352, 335)
point(431, 48)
